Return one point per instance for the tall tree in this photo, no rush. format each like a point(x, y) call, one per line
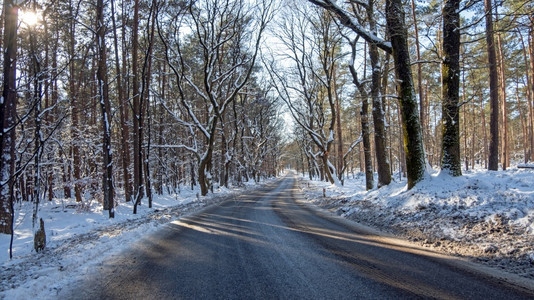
point(422, 108)
point(450, 69)
point(398, 46)
point(531, 103)
point(493, 160)
point(137, 112)
point(364, 120)
point(7, 117)
point(103, 96)
point(218, 27)
point(379, 121)
point(37, 78)
point(123, 112)
point(505, 157)
point(413, 140)
point(76, 65)
point(309, 36)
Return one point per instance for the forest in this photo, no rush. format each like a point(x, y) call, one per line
point(117, 101)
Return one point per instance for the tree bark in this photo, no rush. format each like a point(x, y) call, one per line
point(137, 139)
point(502, 94)
point(368, 159)
point(484, 130)
point(422, 108)
point(123, 113)
point(38, 80)
point(493, 160)
point(75, 108)
point(7, 118)
point(163, 86)
point(382, 160)
point(531, 102)
point(103, 95)
point(145, 102)
point(413, 141)
point(450, 71)
point(340, 162)
point(530, 97)
point(205, 166)
point(364, 122)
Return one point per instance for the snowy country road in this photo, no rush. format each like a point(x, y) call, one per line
point(267, 245)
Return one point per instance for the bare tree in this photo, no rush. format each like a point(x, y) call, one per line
point(218, 26)
point(364, 114)
point(371, 36)
point(310, 38)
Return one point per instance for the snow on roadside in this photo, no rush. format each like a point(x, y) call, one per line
point(79, 238)
point(484, 215)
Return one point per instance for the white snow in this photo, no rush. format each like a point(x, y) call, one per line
point(80, 236)
point(484, 215)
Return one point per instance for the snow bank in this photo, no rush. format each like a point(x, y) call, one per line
point(485, 215)
point(81, 236)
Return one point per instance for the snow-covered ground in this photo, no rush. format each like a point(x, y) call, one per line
point(486, 216)
point(80, 237)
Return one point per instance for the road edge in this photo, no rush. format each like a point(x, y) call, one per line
point(513, 280)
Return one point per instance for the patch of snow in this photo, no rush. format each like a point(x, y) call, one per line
point(81, 236)
point(487, 216)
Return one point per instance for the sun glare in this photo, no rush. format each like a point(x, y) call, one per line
point(29, 18)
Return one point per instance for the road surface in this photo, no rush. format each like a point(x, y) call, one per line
point(265, 245)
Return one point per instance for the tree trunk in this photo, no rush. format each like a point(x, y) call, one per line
point(493, 160)
point(450, 71)
point(530, 97)
point(103, 94)
point(531, 102)
point(502, 94)
point(339, 132)
point(368, 159)
point(75, 108)
point(37, 79)
point(163, 86)
point(524, 128)
point(7, 118)
point(413, 141)
point(484, 130)
point(205, 165)
point(137, 139)
point(364, 122)
point(123, 113)
point(466, 131)
point(422, 108)
point(382, 160)
point(145, 102)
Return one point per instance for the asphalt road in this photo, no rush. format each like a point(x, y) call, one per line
point(265, 245)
